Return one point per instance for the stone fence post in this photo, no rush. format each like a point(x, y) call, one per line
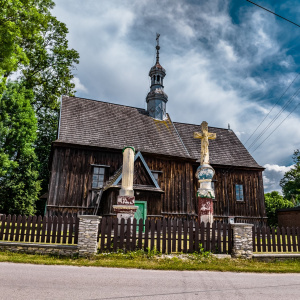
point(87, 235)
point(242, 240)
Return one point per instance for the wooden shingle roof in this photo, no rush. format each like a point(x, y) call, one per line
point(108, 125)
point(226, 149)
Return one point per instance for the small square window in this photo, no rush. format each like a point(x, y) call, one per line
point(155, 175)
point(239, 193)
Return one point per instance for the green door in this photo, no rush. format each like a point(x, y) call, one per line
point(141, 212)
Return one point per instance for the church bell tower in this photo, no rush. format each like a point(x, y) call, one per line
point(157, 98)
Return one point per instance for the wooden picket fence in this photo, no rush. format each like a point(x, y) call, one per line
point(38, 229)
point(165, 236)
point(273, 239)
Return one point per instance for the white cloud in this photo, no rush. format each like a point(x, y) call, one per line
point(79, 87)
point(239, 134)
point(272, 176)
point(228, 50)
point(276, 168)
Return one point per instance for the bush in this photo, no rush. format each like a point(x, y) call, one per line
point(273, 202)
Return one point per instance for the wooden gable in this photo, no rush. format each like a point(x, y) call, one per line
point(142, 175)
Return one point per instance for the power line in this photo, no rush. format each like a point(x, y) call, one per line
point(274, 13)
point(276, 127)
point(284, 107)
point(274, 119)
point(271, 109)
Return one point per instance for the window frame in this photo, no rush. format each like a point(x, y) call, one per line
point(101, 172)
point(156, 173)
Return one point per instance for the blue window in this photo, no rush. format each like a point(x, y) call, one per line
point(239, 193)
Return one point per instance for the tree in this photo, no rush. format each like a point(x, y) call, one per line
point(33, 43)
point(273, 202)
point(19, 187)
point(20, 22)
point(290, 183)
point(49, 75)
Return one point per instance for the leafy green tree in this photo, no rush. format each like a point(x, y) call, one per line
point(19, 187)
point(273, 202)
point(20, 22)
point(33, 43)
point(49, 75)
point(290, 183)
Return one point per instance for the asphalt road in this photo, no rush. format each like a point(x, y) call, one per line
point(24, 281)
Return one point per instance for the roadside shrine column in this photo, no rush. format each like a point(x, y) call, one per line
point(125, 207)
point(204, 174)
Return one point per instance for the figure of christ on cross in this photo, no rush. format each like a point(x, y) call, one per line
point(204, 136)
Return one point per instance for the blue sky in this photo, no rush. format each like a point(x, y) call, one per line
point(226, 62)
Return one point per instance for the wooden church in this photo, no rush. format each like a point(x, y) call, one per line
point(86, 161)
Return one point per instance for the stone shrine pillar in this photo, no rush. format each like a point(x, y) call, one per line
point(205, 194)
point(204, 174)
point(125, 207)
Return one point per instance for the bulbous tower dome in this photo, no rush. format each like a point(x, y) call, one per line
point(157, 98)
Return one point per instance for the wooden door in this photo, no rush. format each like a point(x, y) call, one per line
point(141, 212)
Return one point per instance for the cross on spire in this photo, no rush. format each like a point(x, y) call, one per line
point(204, 136)
point(157, 47)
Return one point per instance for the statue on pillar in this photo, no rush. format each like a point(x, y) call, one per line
point(204, 136)
point(204, 174)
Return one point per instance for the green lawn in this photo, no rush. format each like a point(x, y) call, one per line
point(153, 261)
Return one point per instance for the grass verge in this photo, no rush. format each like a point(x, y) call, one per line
point(154, 261)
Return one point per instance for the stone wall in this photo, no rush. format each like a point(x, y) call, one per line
point(63, 250)
point(242, 240)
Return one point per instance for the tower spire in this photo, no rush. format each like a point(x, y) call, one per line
point(157, 98)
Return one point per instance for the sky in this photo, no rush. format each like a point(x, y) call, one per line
point(227, 62)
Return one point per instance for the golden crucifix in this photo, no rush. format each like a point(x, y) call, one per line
point(204, 136)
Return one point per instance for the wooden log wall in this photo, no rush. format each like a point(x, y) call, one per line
point(71, 177)
point(176, 180)
point(226, 204)
point(71, 181)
